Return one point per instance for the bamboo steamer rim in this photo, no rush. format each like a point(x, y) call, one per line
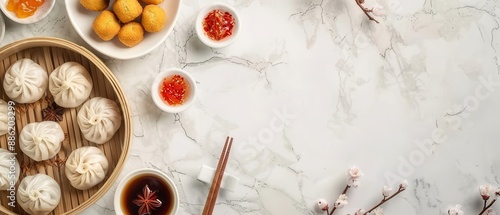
point(34, 42)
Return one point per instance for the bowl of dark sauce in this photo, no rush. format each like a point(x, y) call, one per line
point(146, 191)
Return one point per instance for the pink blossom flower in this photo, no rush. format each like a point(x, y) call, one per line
point(322, 204)
point(341, 201)
point(490, 211)
point(486, 190)
point(353, 175)
point(359, 212)
point(455, 210)
point(386, 191)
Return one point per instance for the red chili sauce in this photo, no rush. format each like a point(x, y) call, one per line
point(174, 90)
point(218, 25)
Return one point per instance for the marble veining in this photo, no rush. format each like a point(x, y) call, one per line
point(312, 87)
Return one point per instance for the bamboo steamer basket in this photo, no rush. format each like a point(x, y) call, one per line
point(49, 53)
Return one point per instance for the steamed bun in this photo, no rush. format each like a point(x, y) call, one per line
point(38, 194)
point(25, 81)
point(70, 84)
point(41, 140)
point(99, 119)
point(4, 117)
point(86, 167)
point(6, 173)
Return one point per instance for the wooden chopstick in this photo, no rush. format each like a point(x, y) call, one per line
point(219, 173)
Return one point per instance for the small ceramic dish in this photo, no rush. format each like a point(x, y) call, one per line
point(156, 88)
point(201, 32)
point(40, 13)
point(135, 183)
point(2, 28)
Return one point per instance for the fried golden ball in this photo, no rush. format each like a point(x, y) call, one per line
point(127, 10)
point(131, 34)
point(106, 26)
point(152, 1)
point(153, 18)
point(95, 5)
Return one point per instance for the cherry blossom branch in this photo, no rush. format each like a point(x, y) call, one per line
point(353, 176)
point(486, 207)
point(366, 10)
point(335, 207)
point(486, 191)
point(402, 187)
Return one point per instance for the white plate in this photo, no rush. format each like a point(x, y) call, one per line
point(82, 20)
point(40, 13)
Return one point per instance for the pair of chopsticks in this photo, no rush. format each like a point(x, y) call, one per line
point(219, 173)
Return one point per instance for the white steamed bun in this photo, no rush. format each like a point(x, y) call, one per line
point(86, 167)
point(70, 84)
point(4, 116)
point(38, 194)
point(99, 119)
point(9, 169)
point(25, 81)
point(41, 140)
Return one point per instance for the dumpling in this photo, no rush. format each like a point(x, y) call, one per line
point(25, 81)
point(4, 112)
point(38, 194)
point(41, 140)
point(70, 84)
point(9, 169)
point(99, 119)
point(86, 167)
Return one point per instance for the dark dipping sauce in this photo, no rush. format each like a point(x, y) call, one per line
point(135, 188)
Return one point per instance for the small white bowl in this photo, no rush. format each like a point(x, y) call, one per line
point(201, 33)
point(145, 172)
point(40, 13)
point(156, 87)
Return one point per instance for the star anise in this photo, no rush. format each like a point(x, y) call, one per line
point(53, 113)
point(147, 201)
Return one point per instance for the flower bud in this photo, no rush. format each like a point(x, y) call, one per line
point(403, 185)
point(386, 191)
point(322, 204)
point(485, 191)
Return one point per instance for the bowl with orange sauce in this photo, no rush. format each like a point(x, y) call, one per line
point(26, 11)
point(217, 25)
point(173, 90)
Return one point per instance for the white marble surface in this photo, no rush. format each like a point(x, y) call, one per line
point(353, 92)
